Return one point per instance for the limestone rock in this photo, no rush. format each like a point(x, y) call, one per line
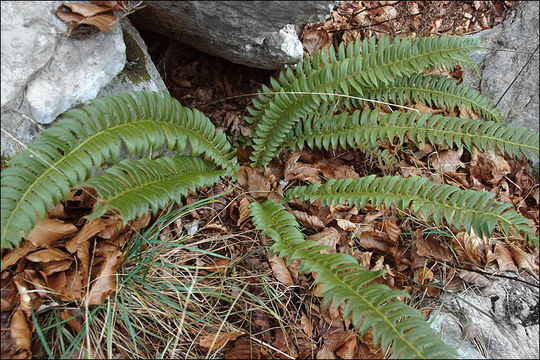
point(44, 73)
point(511, 53)
point(259, 34)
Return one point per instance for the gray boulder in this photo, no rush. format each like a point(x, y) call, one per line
point(509, 66)
point(259, 34)
point(45, 73)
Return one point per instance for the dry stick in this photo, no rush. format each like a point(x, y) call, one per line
point(316, 93)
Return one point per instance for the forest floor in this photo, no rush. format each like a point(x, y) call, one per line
point(218, 292)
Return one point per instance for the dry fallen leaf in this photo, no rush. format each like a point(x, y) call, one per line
point(218, 340)
point(336, 339)
point(308, 220)
point(254, 181)
point(524, 260)
point(469, 248)
point(279, 268)
point(14, 255)
point(47, 231)
point(347, 350)
point(391, 228)
point(504, 259)
point(47, 255)
point(20, 331)
point(295, 170)
point(90, 228)
point(430, 247)
point(329, 237)
point(346, 225)
point(243, 211)
point(306, 324)
point(86, 10)
point(314, 40)
point(447, 161)
point(105, 282)
point(74, 322)
point(218, 264)
point(52, 267)
point(474, 278)
point(325, 353)
point(243, 348)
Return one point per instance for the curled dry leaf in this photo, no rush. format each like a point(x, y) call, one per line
point(47, 255)
point(52, 267)
point(86, 10)
point(337, 338)
point(254, 181)
point(243, 211)
point(47, 231)
point(329, 237)
point(295, 170)
point(218, 264)
point(490, 167)
point(279, 268)
point(391, 228)
point(474, 278)
point(504, 259)
point(105, 282)
point(89, 229)
point(73, 322)
point(369, 239)
point(306, 324)
point(243, 348)
point(348, 349)
point(325, 353)
point(215, 341)
point(14, 255)
point(423, 276)
point(469, 248)
point(20, 331)
point(447, 161)
point(331, 171)
point(314, 40)
point(430, 247)
point(308, 220)
point(524, 260)
point(25, 297)
point(346, 225)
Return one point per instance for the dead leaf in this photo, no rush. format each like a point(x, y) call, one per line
point(218, 264)
point(279, 268)
point(47, 231)
point(254, 181)
point(306, 324)
point(391, 228)
point(490, 168)
point(314, 40)
point(474, 278)
point(346, 224)
point(430, 247)
point(20, 331)
point(90, 228)
point(86, 10)
point(25, 297)
point(243, 211)
point(325, 353)
point(103, 22)
point(504, 259)
point(347, 350)
point(14, 255)
point(308, 220)
point(336, 339)
point(524, 260)
point(331, 171)
point(74, 322)
point(370, 240)
point(52, 267)
point(423, 276)
point(218, 340)
point(243, 348)
point(105, 282)
point(47, 255)
point(295, 170)
point(447, 161)
point(329, 237)
point(469, 248)
point(83, 254)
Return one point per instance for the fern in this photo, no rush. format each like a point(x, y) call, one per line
point(464, 209)
point(133, 186)
point(440, 91)
point(65, 155)
point(369, 127)
point(275, 111)
point(369, 305)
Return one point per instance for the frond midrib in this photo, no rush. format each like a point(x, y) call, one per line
point(268, 137)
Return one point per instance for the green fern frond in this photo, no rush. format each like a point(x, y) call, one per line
point(464, 209)
point(441, 91)
point(64, 155)
point(369, 127)
point(369, 306)
point(276, 110)
point(133, 186)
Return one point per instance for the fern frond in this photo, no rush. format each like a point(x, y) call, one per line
point(85, 139)
point(133, 186)
point(369, 127)
point(464, 209)
point(442, 91)
point(276, 110)
point(369, 306)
